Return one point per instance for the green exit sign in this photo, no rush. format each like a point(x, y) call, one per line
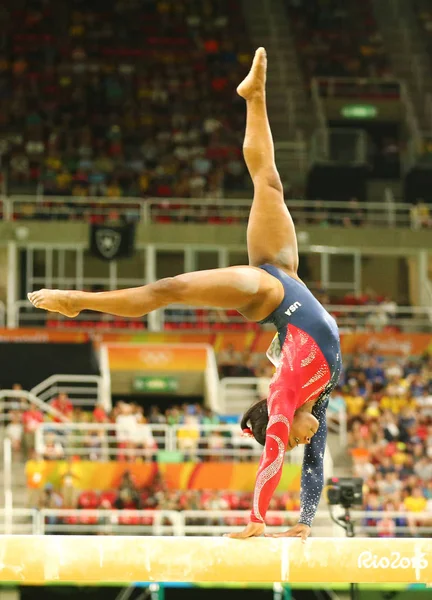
point(359, 111)
point(154, 385)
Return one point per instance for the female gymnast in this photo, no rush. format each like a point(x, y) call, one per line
point(306, 348)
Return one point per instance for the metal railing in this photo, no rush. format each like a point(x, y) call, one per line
point(19, 521)
point(304, 212)
point(202, 522)
point(59, 208)
point(25, 315)
point(349, 318)
point(111, 441)
point(409, 319)
point(196, 442)
point(82, 390)
point(357, 87)
point(186, 210)
point(238, 393)
point(12, 400)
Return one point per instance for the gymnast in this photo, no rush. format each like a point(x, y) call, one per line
point(306, 348)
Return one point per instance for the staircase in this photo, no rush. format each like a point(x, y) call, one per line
point(289, 106)
point(404, 43)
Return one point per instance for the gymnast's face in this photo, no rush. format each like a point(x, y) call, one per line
point(304, 427)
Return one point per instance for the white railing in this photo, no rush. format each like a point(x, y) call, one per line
point(53, 208)
point(202, 522)
point(11, 400)
point(25, 315)
point(83, 390)
point(377, 317)
point(349, 318)
point(238, 393)
point(111, 441)
point(356, 87)
point(7, 484)
point(303, 212)
point(106, 441)
point(19, 521)
point(157, 210)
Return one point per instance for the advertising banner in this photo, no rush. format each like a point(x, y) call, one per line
point(178, 476)
point(157, 357)
point(387, 344)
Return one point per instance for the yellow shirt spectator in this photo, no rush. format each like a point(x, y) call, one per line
point(415, 503)
point(113, 191)
point(394, 403)
point(64, 179)
point(355, 405)
point(54, 163)
point(79, 190)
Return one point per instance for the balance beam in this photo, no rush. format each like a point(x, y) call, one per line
point(108, 559)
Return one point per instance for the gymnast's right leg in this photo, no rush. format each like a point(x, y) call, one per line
point(271, 236)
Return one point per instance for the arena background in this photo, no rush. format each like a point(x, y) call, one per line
point(121, 163)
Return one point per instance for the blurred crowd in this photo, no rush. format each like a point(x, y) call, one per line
point(156, 496)
point(338, 38)
point(389, 411)
point(123, 97)
point(130, 433)
point(387, 403)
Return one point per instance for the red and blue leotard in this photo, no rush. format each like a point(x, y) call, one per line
point(306, 353)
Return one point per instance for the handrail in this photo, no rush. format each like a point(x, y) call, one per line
point(33, 399)
point(373, 213)
point(53, 207)
point(7, 483)
point(356, 87)
point(51, 386)
point(154, 522)
point(172, 440)
point(148, 439)
point(206, 319)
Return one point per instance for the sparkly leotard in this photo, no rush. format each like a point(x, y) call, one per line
point(307, 356)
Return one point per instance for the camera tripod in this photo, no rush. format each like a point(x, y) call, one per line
point(346, 522)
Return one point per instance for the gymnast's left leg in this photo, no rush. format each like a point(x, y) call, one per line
point(251, 291)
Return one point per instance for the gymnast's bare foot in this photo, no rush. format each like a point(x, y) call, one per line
point(60, 301)
point(254, 83)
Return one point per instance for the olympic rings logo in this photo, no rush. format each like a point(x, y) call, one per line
point(154, 359)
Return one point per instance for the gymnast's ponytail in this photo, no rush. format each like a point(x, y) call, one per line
point(254, 421)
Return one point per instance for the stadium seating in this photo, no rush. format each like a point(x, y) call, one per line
point(136, 106)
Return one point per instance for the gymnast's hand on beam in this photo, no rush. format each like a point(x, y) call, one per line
point(300, 530)
point(252, 530)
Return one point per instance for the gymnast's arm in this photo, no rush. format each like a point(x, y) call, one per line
point(312, 481)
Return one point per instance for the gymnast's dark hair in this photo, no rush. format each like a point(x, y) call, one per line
point(256, 419)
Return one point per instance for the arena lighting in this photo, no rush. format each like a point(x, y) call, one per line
point(108, 559)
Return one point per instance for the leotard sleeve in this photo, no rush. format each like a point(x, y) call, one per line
point(281, 413)
point(312, 481)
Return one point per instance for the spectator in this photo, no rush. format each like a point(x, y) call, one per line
point(188, 434)
point(126, 424)
point(63, 405)
point(52, 448)
point(14, 431)
point(31, 419)
point(52, 500)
